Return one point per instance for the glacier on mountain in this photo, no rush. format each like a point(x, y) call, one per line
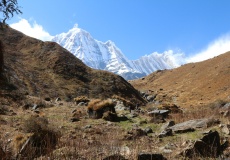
point(106, 56)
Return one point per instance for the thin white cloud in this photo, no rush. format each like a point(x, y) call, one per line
point(33, 30)
point(217, 47)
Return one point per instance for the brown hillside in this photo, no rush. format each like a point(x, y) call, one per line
point(192, 84)
point(47, 70)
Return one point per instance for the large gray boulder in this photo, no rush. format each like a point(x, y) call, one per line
point(191, 125)
point(163, 113)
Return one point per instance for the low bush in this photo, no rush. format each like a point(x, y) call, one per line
point(98, 104)
point(43, 139)
point(81, 99)
point(35, 124)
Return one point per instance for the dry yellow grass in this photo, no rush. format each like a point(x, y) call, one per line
point(45, 69)
point(98, 104)
point(193, 84)
point(81, 99)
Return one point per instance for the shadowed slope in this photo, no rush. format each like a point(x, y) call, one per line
point(46, 69)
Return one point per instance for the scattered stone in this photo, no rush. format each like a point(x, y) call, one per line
point(37, 111)
point(124, 150)
point(163, 113)
point(47, 99)
point(26, 106)
point(74, 111)
point(226, 114)
point(58, 99)
point(87, 126)
point(120, 106)
point(226, 129)
point(226, 106)
point(74, 119)
point(168, 148)
point(165, 133)
point(148, 130)
point(151, 98)
point(167, 125)
point(173, 108)
point(80, 104)
point(135, 133)
point(150, 156)
point(115, 157)
point(157, 119)
point(208, 146)
point(142, 122)
point(133, 115)
point(3, 122)
point(225, 144)
point(109, 116)
point(13, 113)
point(123, 118)
point(35, 107)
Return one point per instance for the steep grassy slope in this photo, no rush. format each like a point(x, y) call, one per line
point(192, 84)
point(47, 70)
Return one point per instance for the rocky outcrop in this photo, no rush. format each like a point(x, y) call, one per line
point(193, 124)
point(208, 146)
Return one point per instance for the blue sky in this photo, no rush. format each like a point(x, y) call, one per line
point(137, 27)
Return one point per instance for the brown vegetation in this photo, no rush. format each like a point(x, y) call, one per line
point(44, 69)
point(1, 58)
point(98, 104)
point(191, 85)
point(81, 99)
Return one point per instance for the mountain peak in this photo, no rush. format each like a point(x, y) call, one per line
point(107, 56)
point(110, 43)
point(40, 64)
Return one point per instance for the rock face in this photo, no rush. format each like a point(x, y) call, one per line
point(208, 146)
point(192, 124)
point(46, 69)
point(162, 113)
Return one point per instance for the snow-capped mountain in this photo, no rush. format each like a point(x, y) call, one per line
point(106, 56)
